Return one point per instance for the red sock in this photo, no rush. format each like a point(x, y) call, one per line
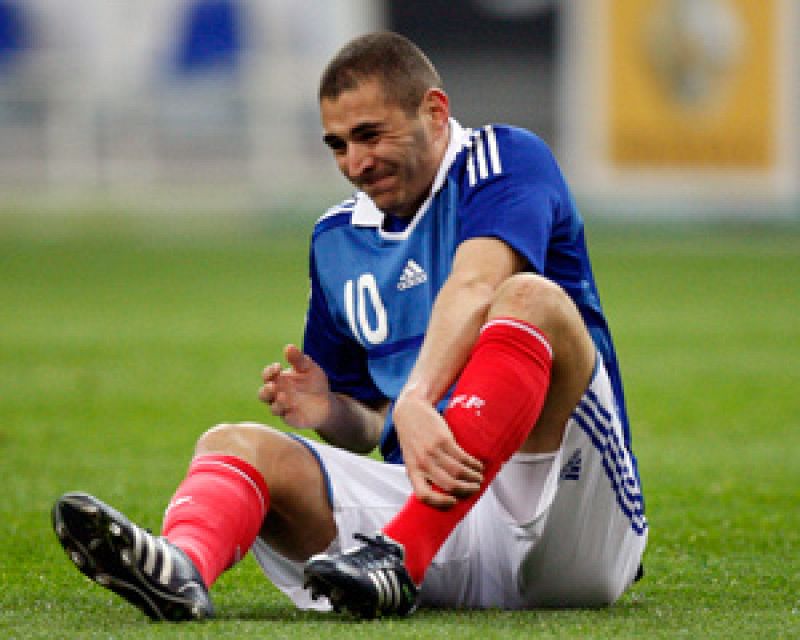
point(495, 404)
point(216, 513)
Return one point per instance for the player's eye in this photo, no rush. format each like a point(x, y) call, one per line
point(335, 144)
point(370, 136)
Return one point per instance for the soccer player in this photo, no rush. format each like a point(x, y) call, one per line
point(453, 322)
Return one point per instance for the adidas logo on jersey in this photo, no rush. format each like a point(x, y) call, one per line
point(572, 469)
point(412, 275)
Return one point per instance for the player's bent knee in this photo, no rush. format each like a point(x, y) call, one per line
point(271, 452)
point(241, 439)
point(220, 438)
point(532, 298)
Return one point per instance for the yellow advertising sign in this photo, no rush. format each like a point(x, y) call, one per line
point(692, 83)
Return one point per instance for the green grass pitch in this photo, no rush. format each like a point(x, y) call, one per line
point(120, 344)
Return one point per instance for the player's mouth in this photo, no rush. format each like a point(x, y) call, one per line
point(378, 185)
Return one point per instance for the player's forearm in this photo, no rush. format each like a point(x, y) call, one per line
point(480, 267)
point(458, 314)
point(352, 425)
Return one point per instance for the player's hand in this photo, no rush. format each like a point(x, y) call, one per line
point(440, 471)
point(299, 393)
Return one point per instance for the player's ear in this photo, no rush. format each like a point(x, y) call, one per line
point(436, 107)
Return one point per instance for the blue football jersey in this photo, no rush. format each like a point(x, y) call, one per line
point(373, 286)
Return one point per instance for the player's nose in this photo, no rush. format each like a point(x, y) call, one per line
point(358, 161)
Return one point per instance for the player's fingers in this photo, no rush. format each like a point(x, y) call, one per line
point(267, 392)
point(463, 490)
point(429, 495)
point(299, 361)
point(459, 487)
point(439, 501)
point(271, 371)
point(458, 463)
point(280, 404)
point(276, 408)
point(445, 476)
point(468, 461)
point(465, 473)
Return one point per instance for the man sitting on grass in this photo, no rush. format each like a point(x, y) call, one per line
point(454, 322)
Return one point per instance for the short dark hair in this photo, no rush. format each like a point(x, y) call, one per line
point(397, 63)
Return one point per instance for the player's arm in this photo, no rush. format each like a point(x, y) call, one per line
point(353, 425)
point(301, 396)
point(430, 452)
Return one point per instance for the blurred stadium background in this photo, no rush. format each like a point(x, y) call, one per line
point(665, 108)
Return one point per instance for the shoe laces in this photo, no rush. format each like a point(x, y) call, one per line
point(377, 552)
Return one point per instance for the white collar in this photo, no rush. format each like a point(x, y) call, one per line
point(366, 214)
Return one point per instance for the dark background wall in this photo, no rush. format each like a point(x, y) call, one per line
point(497, 66)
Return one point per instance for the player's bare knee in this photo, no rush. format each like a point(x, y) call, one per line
point(271, 452)
point(244, 440)
point(534, 299)
point(221, 438)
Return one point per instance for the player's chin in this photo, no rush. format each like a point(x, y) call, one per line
point(386, 201)
point(383, 189)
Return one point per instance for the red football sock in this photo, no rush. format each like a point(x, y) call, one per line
point(495, 404)
point(216, 513)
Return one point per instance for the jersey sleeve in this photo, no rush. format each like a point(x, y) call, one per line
point(343, 359)
point(520, 201)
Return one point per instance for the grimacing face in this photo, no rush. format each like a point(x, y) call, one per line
point(390, 155)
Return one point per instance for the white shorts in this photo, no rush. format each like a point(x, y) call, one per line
point(565, 529)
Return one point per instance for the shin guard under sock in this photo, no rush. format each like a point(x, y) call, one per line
point(494, 406)
point(216, 513)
